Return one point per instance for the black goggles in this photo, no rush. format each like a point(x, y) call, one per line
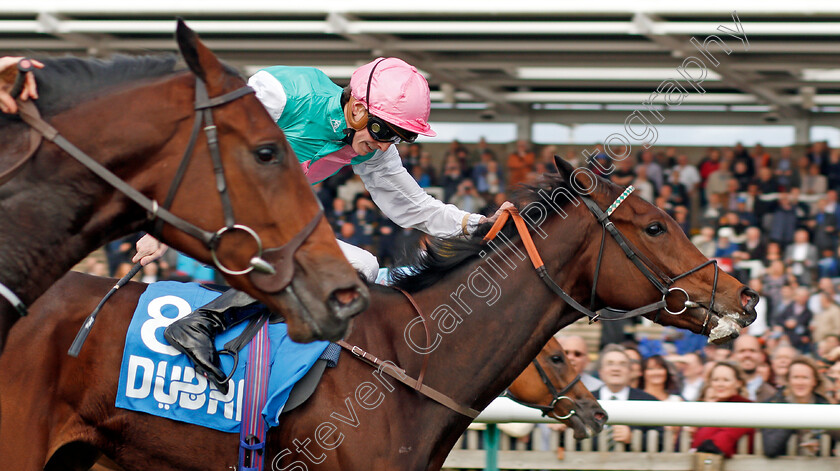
point(381, 131)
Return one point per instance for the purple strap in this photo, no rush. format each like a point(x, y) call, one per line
point(253, 430)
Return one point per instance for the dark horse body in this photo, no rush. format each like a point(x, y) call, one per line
point(485, 332)
point(135, 116)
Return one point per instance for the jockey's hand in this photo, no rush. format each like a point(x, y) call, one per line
point(149, 249)
point(7, 69)
point(502, 208)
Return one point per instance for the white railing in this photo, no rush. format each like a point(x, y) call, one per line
point(698, 414)
point(506, 453)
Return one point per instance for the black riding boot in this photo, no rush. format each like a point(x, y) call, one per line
point(194, 334)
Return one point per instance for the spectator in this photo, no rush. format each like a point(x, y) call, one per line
point(615, 371)
point(780, 361)
point(691, 367)
point(487, 175)
point(803, 385)
point(763, 308)
point(826, 321)
point(452, 177)
point(467, 197)
point(717, 181)
point(727, 382)
point(682, 218)
point(652, 169)
point(725, 248)
point(708, 165)
point(635, 362)
point(760, 157)
point(520, 163)
point(783, 221)
point(824, 286)
point(766, 181)
point(795, 320)
point(689, 177)
point(624, 174)
point(365, 220)
point(477, 154)
point(337, 215)
point(424, 172)
point(752, 252)
point(711, 214)
point(784, 170)
point(705, 241)
point(644, 187)
point(824, 226)
point(833, 170)
point(658, 379)
point(742, 175)
point(575, 348)
point(411, 158)
point(833, 387)
point(818, 154)
point(747, 352)
point(801, 256)
point(813, 183)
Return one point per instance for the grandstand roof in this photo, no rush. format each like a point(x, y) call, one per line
point(555, 61)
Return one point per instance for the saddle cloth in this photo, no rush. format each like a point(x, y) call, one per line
point(157, 379)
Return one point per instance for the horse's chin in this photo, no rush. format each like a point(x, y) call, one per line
point(302, 318)
point(580, 428)
point(723, 328)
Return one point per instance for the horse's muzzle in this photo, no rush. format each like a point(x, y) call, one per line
point(348, 302)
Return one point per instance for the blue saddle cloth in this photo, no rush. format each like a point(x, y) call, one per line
point(157, 379)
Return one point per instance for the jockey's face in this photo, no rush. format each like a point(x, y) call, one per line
point(363, 143)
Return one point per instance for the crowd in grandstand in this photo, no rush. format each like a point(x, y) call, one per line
point(771, 219)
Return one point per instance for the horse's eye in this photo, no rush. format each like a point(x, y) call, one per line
point(655, 229)
point(267, 154)
point(557, 359)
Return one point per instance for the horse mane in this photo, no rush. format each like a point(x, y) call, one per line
point(443, 255)
point(67, 81)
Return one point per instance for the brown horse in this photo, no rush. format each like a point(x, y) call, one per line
point(551, 384)
point(489, 317)
point(135, 116)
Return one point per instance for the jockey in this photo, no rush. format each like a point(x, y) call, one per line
point(387, 102)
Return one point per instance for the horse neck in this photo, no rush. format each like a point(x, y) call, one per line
point(477, 360)
point(55, 211)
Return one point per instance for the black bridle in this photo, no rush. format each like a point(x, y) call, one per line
point(660, 280)
point(556, 396)
point(211, 240)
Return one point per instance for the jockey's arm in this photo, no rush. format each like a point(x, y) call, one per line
point(403, 201)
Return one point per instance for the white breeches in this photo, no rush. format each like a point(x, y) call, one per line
point(362, 260)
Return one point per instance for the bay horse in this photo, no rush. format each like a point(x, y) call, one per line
point(488, 317)
point(242, 191)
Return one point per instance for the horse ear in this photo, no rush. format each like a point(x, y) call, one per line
point(566, 171)
point(564, 168)
point(198, 57)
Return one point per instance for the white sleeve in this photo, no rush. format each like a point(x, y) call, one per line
point(402, 200)
point(270, 92)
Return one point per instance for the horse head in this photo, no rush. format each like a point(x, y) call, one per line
point(645, 259)
point(302, 274)
point(550, 383)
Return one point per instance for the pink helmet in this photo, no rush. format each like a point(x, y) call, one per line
point(397, 93)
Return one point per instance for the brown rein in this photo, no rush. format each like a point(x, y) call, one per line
point(400, 375)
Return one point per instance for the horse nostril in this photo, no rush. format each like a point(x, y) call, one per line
point(348, 302)
point(601, 417)
point(749, 299)
point(345, 296)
